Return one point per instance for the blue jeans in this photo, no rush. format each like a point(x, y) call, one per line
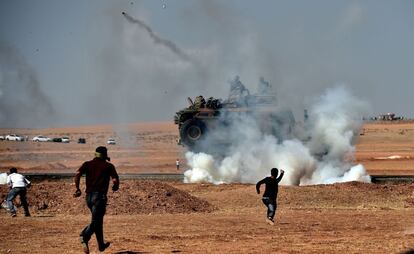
point(271, 206)
point(21, 191)
point(96, 202)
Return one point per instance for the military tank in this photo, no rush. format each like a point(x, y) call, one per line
point(202, 118)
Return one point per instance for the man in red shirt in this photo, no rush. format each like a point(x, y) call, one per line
point(98, 173)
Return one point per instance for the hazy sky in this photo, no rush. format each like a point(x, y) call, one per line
point(82, 62)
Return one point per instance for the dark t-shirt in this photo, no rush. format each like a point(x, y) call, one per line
point(98, 173)
point(272, 185)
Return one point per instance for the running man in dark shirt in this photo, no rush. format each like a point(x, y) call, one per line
point(270, 194)
point(98, 173)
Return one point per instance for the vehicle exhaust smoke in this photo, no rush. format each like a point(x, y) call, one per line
point(157, 40)
point(321, 151)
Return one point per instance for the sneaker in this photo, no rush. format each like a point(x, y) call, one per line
point(13, 215)
point(270, 221)
point(27, 215)
point(106, 245)
point(85, 246)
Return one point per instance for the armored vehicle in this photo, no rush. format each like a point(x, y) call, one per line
point(198, 122)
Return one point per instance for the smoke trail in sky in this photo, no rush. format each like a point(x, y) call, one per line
point(22, 102)
point(324, 154)
point(157, 40)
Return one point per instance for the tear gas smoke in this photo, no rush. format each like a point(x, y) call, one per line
point(157, 40)
point(321, 152)
point(22, 102)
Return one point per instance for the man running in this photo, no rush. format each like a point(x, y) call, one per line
point(270, 194)
point(18, 186)
point(98, 173)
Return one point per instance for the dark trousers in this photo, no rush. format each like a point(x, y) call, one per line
point(21, 191)
point(96, 202)
point(271, 206)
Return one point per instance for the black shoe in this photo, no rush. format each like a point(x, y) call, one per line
point(104, 246)
point(27, 215)
point(85, 246)
point(13, 215)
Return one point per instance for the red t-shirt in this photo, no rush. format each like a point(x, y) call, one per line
point(98, 173)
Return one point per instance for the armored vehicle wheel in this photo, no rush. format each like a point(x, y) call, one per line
point(192, 131)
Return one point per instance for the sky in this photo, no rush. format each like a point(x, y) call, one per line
point(84, 62)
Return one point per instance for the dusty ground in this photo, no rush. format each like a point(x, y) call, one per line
point(387, 148)
point(160, 217)
point(351, 217)
point(152, 147)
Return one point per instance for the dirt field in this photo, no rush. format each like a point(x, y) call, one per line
point(171, 217)
point(387, 148)
point(150, 147)
point(383, 148)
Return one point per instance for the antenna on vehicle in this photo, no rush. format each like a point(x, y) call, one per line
point(190, 101)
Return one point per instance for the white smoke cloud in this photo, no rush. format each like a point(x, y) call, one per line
point(324, 156)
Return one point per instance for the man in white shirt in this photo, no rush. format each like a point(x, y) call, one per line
point(18, 185)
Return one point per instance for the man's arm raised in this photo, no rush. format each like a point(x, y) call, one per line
point(282, 172)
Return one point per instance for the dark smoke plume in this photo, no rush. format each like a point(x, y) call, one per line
point(157, 40)
point(22, 102)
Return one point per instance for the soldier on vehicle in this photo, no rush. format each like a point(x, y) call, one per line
point(18, 186)
point(264, 86)
point(98, 173)
point(199, 102)
point(238, 91)
point(270, 194)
